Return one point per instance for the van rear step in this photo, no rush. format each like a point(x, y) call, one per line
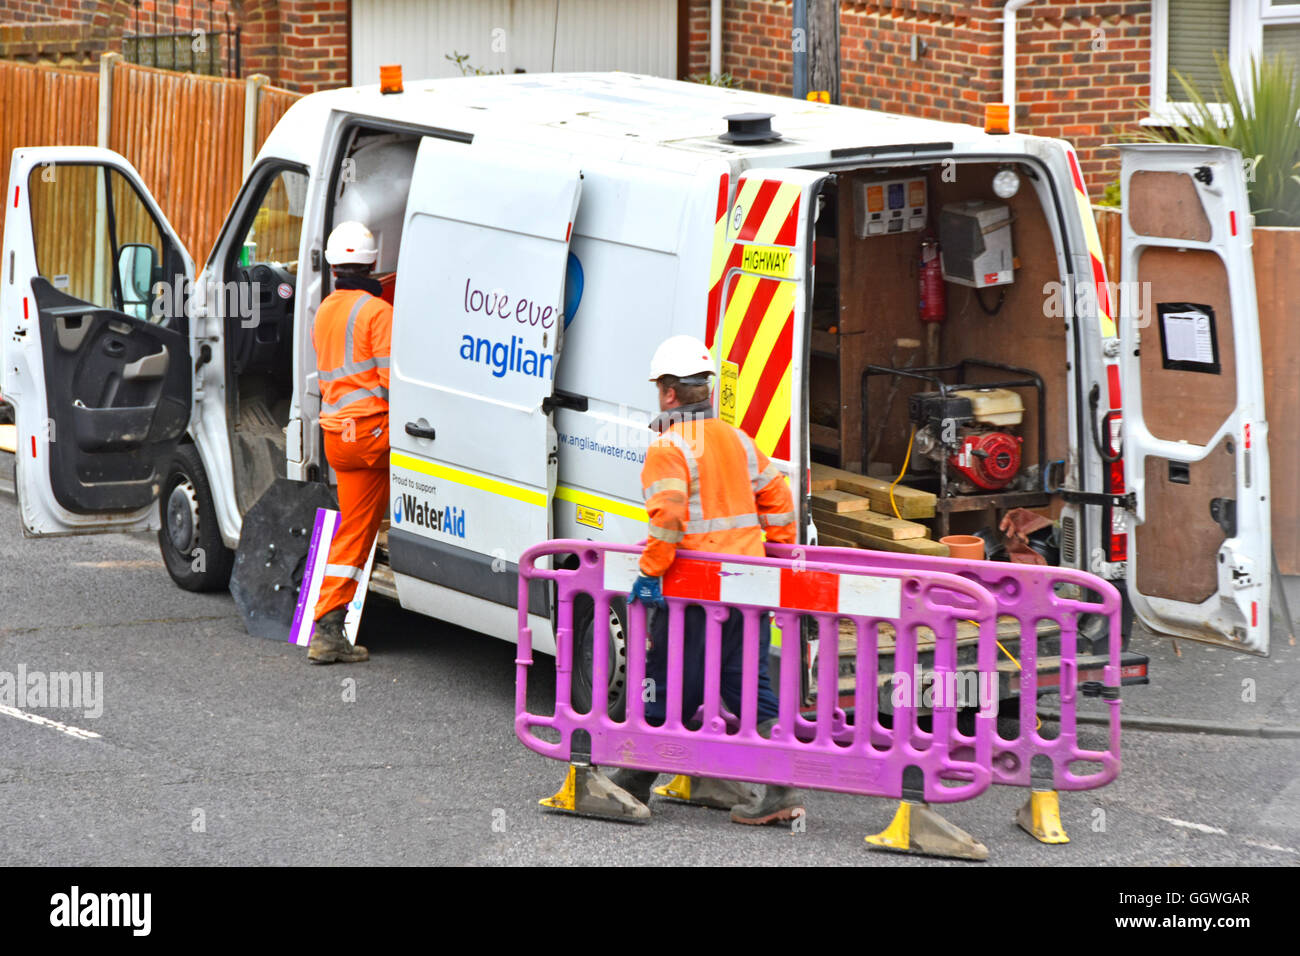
point(382, 581)
point(1091, 668)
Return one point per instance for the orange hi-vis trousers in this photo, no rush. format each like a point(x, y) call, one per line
point(361, 466)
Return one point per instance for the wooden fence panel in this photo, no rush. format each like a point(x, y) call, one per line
point(42, 106)
point(1108, 227)
point(272, 103)
point(183, 132)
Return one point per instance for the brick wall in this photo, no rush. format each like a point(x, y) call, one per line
point(1082, 68)
point(299, 44)
point(314, 44)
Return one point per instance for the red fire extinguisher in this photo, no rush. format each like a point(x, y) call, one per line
point(933, 305)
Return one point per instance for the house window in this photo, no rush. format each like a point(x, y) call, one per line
point(1186, 35)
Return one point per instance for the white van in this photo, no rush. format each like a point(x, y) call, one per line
point(544, 233)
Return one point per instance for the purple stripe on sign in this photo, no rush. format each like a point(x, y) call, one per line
point(304, 591)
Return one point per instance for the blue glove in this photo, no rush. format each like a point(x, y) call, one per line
point(648, 591)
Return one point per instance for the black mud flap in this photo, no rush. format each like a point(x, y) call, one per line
point(273, 546)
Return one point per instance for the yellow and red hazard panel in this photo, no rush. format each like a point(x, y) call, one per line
point(755, 347)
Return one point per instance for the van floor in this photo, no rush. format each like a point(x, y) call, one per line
point(257, 450)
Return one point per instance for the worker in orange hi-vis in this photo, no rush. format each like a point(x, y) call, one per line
point(352, 335)
point(707, 488)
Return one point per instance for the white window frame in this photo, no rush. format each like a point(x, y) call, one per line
point(1245, 42)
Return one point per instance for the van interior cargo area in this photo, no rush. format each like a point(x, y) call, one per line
point(961, 415)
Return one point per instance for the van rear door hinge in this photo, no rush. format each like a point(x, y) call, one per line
point(1128, 502)
point(577, 403)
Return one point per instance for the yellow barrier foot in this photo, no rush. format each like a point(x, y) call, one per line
point(712, 792)
point(1040, 817)
point(589, 793)
point(918, 829)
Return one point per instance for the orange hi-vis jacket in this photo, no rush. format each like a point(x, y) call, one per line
point(353, 337)
point(708, 488)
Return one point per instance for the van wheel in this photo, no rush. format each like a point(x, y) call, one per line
point(583, 613)
point(189, 539)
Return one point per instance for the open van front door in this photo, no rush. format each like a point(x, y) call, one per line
point(1195, 434)
point(478, 323)
point(96, 342)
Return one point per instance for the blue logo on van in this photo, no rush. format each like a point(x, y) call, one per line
point(397, 511)
point(572, 288)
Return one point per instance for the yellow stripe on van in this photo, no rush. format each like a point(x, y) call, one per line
point(586, 498)
point(764, 345)
point(786, 196)
point(530, 496)
point(777, 415)
point(742, 290)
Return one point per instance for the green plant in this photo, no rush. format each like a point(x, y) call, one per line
point(713, 79)
point(462, 62)
point(1262, 124)
point(1112, 196)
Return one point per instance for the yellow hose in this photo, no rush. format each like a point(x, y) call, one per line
point(892, 503)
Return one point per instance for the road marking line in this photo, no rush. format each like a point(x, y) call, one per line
point(46, 722)
point(1271, 846)
point(124, 565)
point(1201, 827)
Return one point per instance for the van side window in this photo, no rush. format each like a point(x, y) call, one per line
point(261, 269)
point(97, 241)
point(276, 227)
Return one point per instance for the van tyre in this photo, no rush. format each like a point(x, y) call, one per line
point(616, 628)
point(190, 539)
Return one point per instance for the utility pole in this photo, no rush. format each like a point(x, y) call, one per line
point(799, 47)
point(824, 47)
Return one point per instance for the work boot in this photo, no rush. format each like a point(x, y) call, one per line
point(712, 792)
point(635, 782)
point(776, 804)
point(329, 644)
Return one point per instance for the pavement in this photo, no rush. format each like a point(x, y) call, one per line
point(214, 747)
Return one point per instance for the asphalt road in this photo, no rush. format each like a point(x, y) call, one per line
point(215, 747)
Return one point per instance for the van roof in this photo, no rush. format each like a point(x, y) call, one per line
point(624, 109)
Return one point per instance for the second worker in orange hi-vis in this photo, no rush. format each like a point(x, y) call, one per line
point(707, 488)
point(352, 335)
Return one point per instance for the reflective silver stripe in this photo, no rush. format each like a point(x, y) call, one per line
point(365, 366)
point(664, 534)
point(693, 469)
point(706, 525)
point(356, 395)
point(349, 366)
point(783, 518)
point(352, 324)
point(768, 474)
point(751, 456)
point(343, 571)
point(664, 484)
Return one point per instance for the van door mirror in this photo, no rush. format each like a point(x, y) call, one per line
point(136, 265)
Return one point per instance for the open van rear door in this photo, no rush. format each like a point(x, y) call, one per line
point(477, 326)
point(761, 341)
point(1195, 434)
point(96, 342)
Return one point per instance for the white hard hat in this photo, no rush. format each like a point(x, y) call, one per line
point(683, 356)
point(351, 242)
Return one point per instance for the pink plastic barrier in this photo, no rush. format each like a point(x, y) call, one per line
point(826, 753)
point(1029, 594)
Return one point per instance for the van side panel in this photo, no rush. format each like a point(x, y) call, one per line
point(641, 244)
